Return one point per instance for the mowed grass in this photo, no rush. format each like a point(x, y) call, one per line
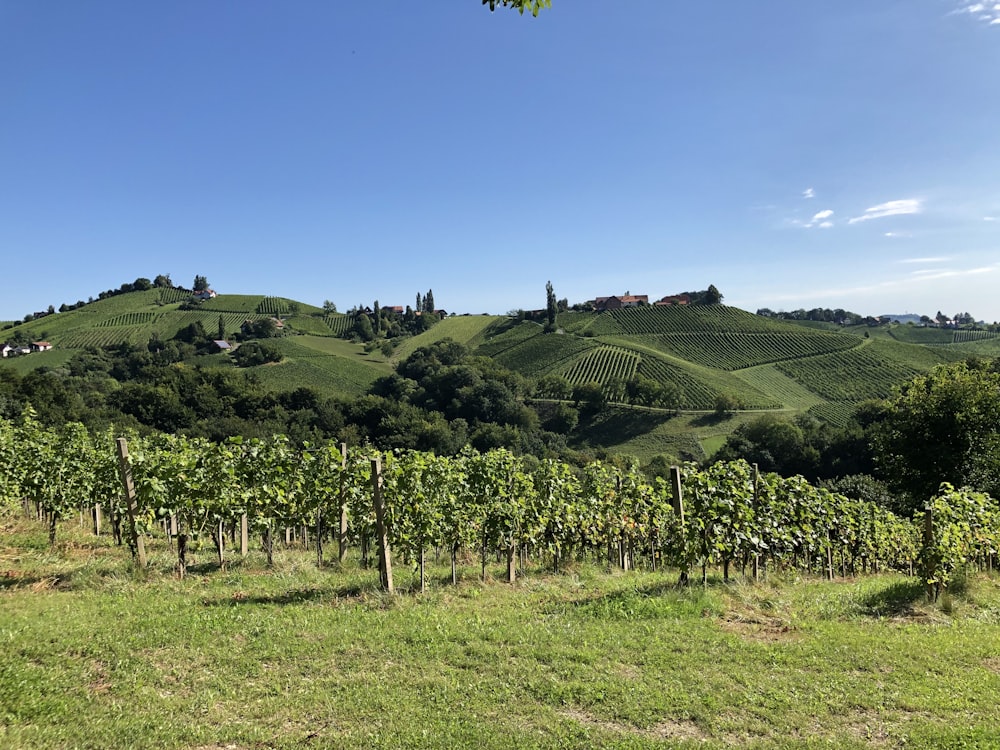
point(331, 366)
point(95, 655)
point(464, 329)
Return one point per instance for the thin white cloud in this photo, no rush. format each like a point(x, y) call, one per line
point(987, 13)
point(989, 218)
point(820, 219)
point(940, 259)
point(908, 280)
point(890, 208)
point(808, 193)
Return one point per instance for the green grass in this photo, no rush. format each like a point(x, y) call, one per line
point(332, 366)
point(25, 363)
point(98, 656)
point(464, 329)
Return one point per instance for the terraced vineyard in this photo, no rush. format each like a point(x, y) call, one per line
point(171, 296)
point(237, 303)
point(100, 337)
point(700, 387)
point(642, 321)
point(736, 351)
point(603, 364)
point(129, 319)
point(208, 320)
point(542, 354)
point(273, 306)
point(917, 335)
point(338, 323)
point(864, 373)
point(964, 337)
point(510, 335)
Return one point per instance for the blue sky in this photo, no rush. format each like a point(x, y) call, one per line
point(794, 154)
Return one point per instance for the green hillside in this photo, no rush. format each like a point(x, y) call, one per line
point(465, 329)
point(707, 355)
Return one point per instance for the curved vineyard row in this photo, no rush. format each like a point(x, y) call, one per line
point(700, 391)
point(338, 323)
point(512, 335)
point(638, 321)
point(867, 372)
point(602, 365)
point(101, 337)
point(235, 303)
point(542, 354)
point(273, 306)
point(850, 376)
point(129, 319)
point(963, 337)
point(736, 351)
point(171, 296)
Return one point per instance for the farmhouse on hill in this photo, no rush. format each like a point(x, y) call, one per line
point(674, 299)
point(617, 303)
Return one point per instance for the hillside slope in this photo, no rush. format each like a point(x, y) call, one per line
point(707, 355)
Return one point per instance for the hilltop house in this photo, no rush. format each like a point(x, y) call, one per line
point(205, 294)
point(40, 346)
point(617, 303)
point(674, 299)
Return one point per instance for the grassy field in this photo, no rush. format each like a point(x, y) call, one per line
point(331, 366)
point(96, 656)
point(465, 329)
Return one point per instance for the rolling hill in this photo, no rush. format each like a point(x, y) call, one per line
point(704, 353)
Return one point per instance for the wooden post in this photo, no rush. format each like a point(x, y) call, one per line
point(342, 534)
point(829, 557)
point(512, 563)
point(928, 542)
point(675, 484)
point(319, 537)
point(384, 556)
point(244, 535)
point(220, 541)
point(97, 520)
point(138, 544)
point(756, 507)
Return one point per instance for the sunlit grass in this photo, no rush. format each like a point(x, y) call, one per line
point(98, 655)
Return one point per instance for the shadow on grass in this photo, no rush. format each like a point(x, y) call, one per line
point(710, 420)
point(895, 600)
point(294, 596)
point(666, 599)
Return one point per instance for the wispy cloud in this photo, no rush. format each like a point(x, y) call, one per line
point(891, 208)
point(940, 259)
point(988, 13)
point(820, 219)
point(911, 279)
point(989, 218)
point(808, 193)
